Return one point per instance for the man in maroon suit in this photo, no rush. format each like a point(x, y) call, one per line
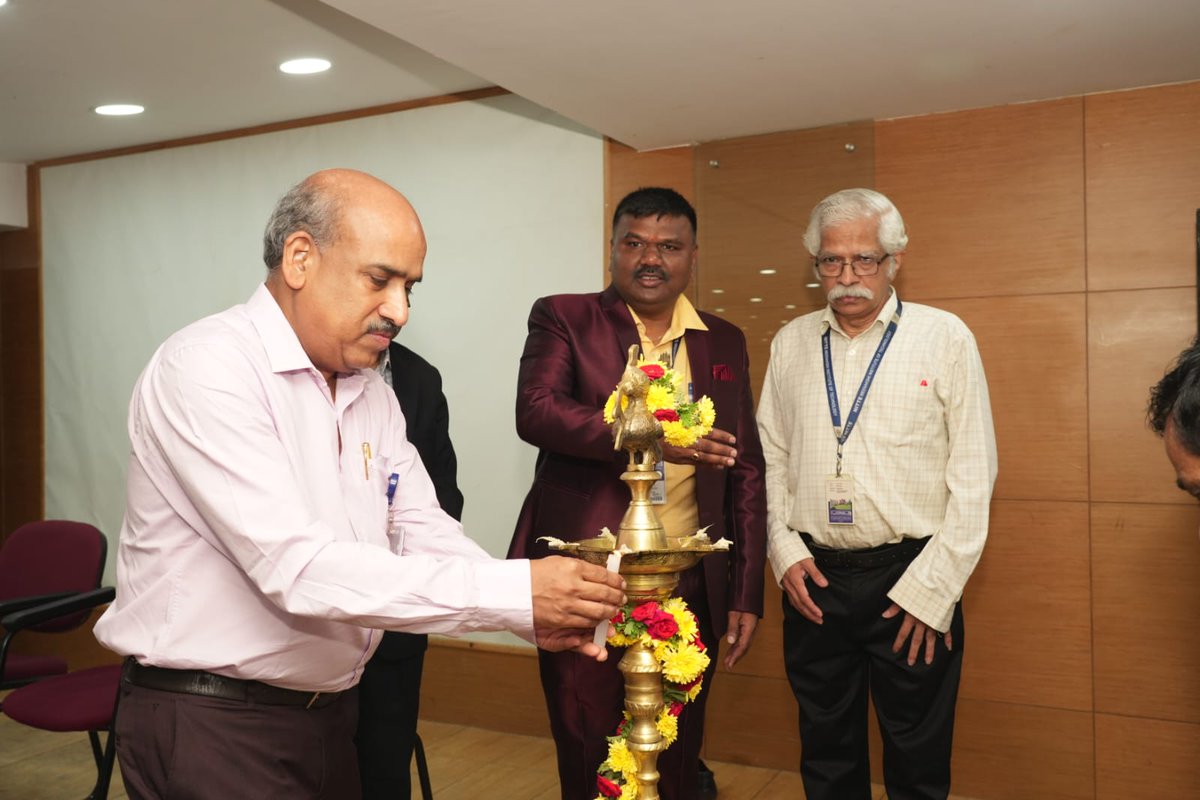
point(574, 356)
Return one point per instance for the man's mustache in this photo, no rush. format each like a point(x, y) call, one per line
point(657, 272)
point(386, 328)
point(838, 292)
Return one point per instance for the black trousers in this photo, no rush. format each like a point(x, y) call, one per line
point(389, 698)
point(833, 666)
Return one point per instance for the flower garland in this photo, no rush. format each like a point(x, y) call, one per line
point(683, 421)
point(670, 631)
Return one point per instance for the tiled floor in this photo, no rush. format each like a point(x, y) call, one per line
point(464, 764)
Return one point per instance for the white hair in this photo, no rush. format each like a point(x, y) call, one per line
point(850, 205)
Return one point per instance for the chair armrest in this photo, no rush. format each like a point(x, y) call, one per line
point(57, 608)
point(18, 603)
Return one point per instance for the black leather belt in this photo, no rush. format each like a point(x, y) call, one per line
point(208, 684)
point(864, 559)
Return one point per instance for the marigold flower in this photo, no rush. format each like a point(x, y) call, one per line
point(620, 759)
point(683, 664)
point(668, 726)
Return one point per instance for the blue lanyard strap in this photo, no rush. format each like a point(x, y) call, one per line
point(835, 412)
point(674, 350)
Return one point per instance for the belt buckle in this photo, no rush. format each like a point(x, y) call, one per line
point(312, 700)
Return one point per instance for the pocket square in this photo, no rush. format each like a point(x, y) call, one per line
point(722, 372)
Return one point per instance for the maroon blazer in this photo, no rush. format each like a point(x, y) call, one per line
point(574, 356)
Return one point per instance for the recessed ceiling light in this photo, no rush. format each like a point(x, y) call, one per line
point(718, 291)
point(812, 286)
point(790, 305)
point(766, 272)
point(719, 310)
point(119, 109)
point(755, 299)
point(304, 66)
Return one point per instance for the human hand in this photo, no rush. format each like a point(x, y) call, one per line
point(570, 593)
point(714, 450)
point(921, 634)
point(739, 635)
point(794, 584)
point(577, 639)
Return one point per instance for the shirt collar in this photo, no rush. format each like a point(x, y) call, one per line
point(829, 319)
point(684, 317)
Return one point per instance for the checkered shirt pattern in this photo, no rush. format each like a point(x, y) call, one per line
point(922, 454)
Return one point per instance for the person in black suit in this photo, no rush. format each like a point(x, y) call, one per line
point(390, 691)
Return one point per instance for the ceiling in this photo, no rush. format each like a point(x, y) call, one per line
point(649, 74)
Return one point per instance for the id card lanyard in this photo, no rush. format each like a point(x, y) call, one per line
point(839, 488)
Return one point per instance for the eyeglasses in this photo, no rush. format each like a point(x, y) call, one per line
point(863, 264)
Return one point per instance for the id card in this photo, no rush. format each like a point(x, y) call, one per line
point(658, 492)
point(839, 496)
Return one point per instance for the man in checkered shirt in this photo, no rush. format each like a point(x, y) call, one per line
point(881, 457)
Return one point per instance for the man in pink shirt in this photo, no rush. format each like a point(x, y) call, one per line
point(277, 516)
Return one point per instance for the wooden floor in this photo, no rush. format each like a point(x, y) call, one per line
point(464, 764)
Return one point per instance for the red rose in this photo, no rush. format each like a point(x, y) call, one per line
point(646, 612)
point(662, 627)
point(619, 617)
point(607, 788)
point(653, 371)
point(676, 709)
point(687, 687)
point(666, 415)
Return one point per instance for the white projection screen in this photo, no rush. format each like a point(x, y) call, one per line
point(136, 247)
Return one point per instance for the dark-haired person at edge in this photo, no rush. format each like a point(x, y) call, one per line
point(881, 457)
point(1174, 415)
point(277, 517)
point(574, 354)
point(389, 693)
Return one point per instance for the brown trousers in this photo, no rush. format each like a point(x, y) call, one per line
point(175, 746)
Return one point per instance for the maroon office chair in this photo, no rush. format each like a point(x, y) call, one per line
point(50, 574)
point(85, 700)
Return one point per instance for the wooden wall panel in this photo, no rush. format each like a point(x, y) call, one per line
point(765, 658)
point(755, 195)
point(991, 208)
point(752, 720)
point(1144, 758)
point(1143, 187)
point(625, 169)
point(1028, 608)
point(1016, 752)
point(1145, 559)
point(483, 685)
point(1132, 338)
point(1034, 351)
point(21, 402)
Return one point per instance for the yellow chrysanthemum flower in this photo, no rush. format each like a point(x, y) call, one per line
point(675, 433)
point(708, 415)
point(685, 619)
point(629, 791)
point(619, 639)
point(620, 759)
point(694, 692)
point(610, 406)
point(682, 665)
point(659, 397)
point(668, 726)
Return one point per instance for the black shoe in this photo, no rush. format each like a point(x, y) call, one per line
point(706, 783)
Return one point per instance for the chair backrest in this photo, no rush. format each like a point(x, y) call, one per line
point(52, 556)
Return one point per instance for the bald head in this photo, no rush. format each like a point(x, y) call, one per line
point(343, 250)
point(316, 204)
